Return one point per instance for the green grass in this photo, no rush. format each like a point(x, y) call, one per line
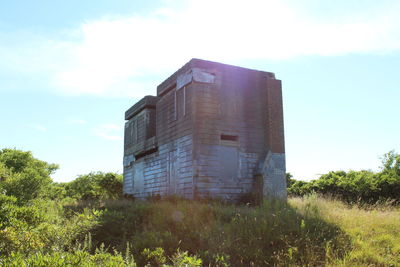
point(221, 234)
point(309, 231)
point(374, 231)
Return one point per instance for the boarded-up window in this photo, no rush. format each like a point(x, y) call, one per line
point(229, 162)
point(180, 103)
point(151, 123)
point(135, 132)
point(131, 132)
point(140, 128)
point(129, 129)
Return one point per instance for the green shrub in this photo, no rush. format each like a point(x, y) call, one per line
point(182, 259)
point(357, 186)
point(61, 259)
point(24, 176)
point(95, 185)
point(7, 206)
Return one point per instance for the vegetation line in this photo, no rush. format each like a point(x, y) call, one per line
point(341, 219)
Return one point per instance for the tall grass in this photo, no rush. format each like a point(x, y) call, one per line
point(374, 231)
point(308, 231)
point(221, 234)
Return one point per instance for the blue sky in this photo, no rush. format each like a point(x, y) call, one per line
point(69, 70)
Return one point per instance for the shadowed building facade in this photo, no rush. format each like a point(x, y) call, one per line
point(212, 130)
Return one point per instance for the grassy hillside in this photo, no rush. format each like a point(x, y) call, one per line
point(87, 222)
point(306, 231)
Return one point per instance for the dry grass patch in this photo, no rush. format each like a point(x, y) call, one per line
point(374, 230)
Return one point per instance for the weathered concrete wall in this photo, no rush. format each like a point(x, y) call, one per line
point(232, 122)
point(167, 171)
point(217, 127)
point(273, 170)
point(140, 132)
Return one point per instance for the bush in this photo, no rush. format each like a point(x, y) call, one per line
point(357, 186)
point(61, 259)
point(24, 176)
point(96, 185)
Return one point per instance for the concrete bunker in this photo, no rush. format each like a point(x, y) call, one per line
point(212, 130)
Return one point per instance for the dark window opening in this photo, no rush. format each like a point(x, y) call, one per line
point(228, 137)
point(145, 153)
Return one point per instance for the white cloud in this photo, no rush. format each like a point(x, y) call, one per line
point(109, 132)
point(128, 56)
point(38, 127)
